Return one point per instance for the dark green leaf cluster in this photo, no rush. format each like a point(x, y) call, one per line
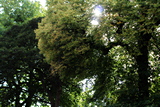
point(25, 78)
point(21, 67)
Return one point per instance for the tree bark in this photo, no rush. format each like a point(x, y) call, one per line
point(51, 98)
point(17, 101)
point(58, 92)
point(55, 91)
point(31, 90)
point(143, 67)
point(143, 73)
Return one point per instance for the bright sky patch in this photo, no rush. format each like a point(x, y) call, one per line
point(97, 13)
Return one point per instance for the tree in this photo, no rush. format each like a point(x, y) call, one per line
point(76, 49)
point(135, 34)
point(18, 11)
point(20, 67)
point(18, 78)
point(25, 78)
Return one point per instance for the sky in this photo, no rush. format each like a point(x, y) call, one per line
point(43, 2)
point(97, 12)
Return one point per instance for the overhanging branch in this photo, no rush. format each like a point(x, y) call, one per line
point(106, 49)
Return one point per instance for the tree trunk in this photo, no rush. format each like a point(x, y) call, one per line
point(31, 90)
point(143, 73)
point(58, 92)
point(143, 68)
point(55, 91)
point(17, 101)
point(52, 100)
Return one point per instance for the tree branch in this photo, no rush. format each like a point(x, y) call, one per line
point(106, 49)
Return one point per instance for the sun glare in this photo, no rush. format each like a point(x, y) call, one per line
point(94, 22)
point(98, 10)
point(97, 13)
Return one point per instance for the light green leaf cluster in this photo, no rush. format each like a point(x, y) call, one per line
point(19, 11)
point(62, 33)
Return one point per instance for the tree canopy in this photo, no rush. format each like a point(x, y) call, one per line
point(21, 67)
point(99, 53)
point(18, 11)
point(121, 53)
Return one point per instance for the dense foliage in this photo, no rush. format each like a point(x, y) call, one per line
point(117, 58)
point(20, 62)
point(25, 78)
point(17, 12)
point(21, 67)
point(121, 53)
